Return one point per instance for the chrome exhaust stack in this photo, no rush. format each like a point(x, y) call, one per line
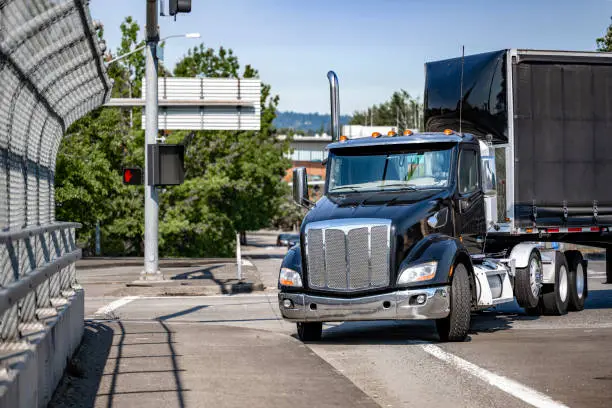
point(334, 96)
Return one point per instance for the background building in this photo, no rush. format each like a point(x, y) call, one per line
point(309, 152)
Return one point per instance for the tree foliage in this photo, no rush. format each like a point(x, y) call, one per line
point(401, 110)
point(605, 43)
point(88, 186)
point(233, 179)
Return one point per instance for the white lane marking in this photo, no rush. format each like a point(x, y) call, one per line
point(516, 389)
point(563, 326)
point(246, 262)
point(246, 295)
point(114, 305)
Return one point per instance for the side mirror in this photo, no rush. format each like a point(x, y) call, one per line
point(489, 179)
point(439, 219)
point(300, 187)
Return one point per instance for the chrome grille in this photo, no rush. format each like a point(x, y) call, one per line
point(348, 255)
point(359, 256)
point(335, 259)
point(316, 259)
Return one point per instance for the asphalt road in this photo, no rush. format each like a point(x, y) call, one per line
point(510, 359)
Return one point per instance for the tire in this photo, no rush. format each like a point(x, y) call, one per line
point(555, 298)
point(527, 282)
point(309, 331)
point(578, 282)
point(455, 327)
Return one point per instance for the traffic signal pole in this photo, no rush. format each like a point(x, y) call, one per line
point(151, 211)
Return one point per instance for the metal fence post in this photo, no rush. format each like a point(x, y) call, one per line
point(238, 258)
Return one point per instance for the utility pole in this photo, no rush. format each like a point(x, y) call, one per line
point(151, 260)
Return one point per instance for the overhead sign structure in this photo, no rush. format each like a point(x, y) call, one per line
point(208, 104)
point(132, 176)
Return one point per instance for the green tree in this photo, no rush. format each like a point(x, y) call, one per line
point(401, 110)
point(88, 185)
point(235, 177)
point(605, 43)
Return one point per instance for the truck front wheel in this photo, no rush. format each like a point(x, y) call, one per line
point(309, 331)
point(455, 327)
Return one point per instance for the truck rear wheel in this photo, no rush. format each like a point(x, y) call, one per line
point(578, 286)
point(309, 331)
point(528, 281)
point(555, 298)
point(455, 327)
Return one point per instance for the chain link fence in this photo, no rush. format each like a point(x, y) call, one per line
point(51, 73)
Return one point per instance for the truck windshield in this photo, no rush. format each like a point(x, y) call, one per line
point(422, 169)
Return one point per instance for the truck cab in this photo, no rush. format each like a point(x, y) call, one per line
point(399, 213)
point(418, 226)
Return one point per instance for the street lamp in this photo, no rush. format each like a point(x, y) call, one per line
point(188, 35)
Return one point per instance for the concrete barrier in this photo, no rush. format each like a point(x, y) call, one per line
point(29, 378)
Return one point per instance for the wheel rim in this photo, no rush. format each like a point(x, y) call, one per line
point(580, 281)
point(563, 283)
point(534, 277)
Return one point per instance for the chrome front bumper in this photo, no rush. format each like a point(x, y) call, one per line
point(398, 305)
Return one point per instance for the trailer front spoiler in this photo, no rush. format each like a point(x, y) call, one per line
point(398, 305)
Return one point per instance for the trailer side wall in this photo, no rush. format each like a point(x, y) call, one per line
point(563, 140)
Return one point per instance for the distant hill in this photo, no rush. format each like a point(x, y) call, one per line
point(306, 122)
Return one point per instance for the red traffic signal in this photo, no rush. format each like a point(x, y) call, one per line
point(132, 176)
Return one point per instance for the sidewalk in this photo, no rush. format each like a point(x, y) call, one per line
point(192, 277)
point(159, 364)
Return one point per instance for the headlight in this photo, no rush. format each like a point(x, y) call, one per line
point(418, 273)
point(289, 277)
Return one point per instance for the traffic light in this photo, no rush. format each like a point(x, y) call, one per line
point(179, 6)
point(132, 176)
point(166, 166)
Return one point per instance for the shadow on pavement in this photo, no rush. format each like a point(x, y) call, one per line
point(379, 332)
point(265, 256)
point(227, 286)
point(599, 299)
point(79, 385)
point(85, 381)
point(181, 313)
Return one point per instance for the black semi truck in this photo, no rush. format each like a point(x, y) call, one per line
point(435, 225)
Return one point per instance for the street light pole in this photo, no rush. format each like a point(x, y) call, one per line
point(151, 211)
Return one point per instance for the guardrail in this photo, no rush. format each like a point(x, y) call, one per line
point(37, 280)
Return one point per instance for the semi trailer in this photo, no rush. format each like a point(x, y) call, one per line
point(517, 152)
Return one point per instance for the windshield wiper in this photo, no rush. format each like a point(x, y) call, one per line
point(410, 187)
point(352, 187)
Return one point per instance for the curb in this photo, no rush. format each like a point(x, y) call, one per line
point(147, 289)
point(101, 263)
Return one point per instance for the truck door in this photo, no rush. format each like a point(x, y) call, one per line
point(470, 223)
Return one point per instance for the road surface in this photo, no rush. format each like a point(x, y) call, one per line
point(510, 359)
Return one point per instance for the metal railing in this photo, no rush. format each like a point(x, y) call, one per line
point(37, 279)
point(51, 74)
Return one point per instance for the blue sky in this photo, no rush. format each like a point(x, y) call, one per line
point(375, 46)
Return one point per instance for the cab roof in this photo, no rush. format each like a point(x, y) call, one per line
point(417, 138)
